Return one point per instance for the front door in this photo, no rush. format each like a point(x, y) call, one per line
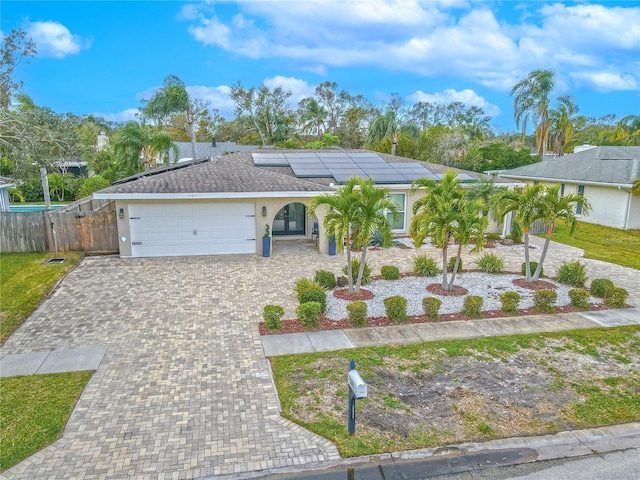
point(290, 220)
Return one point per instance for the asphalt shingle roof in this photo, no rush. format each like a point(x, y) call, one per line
point(611, 165)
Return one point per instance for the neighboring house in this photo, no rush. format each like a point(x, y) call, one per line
point(207, 150)
point(223, 205)
point(604, 175)
point(5, 185)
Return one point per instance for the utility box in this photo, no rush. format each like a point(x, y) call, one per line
point(357, 385)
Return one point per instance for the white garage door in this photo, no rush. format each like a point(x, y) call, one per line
point(162, 230)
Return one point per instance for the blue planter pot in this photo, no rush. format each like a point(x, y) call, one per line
point(266, 246)
point(332, 246)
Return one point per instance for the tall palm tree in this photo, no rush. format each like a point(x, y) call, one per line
point(555, 207)
point(172, 98)
point(471, 225)
point(389, 126)
point(562, 119)
point(527, 206)
point(437, 214)
point(531, 101)
point(313, 117)
point(135, 141)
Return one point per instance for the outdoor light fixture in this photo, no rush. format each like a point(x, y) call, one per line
point(121, 213)
point(264, 211)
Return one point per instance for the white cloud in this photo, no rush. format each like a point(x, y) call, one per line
point(218, 97)
point(53, 39)
point(124, 116)
point(466, 96)
point(299, 88)
point(607, 81)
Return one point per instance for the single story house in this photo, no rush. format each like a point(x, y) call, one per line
point(604, 175)
point(224, 205)
point(5, 185)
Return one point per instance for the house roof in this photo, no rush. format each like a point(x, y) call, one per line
point(6, 182)
point(207, 150)
point(235, 175)
point(599, 165)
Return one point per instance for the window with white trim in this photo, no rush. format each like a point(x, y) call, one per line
point(399, 199)
point(581, 193)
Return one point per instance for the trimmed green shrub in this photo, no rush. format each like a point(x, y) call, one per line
point(473, 306)
point(326, 279)
point(532, 267)
point(545, 300)
point(389, 272)
point(452, 262)
point(616, 297)
point(357, 311)
point(425, 266)
point(431, 307)
point(492, 236)
point(309, 314)
point(315, 295)
point(579, 298)
point(516, 233)
point(572, 273)
point(490, 263)
point(396, 308)
point(304, 285)
point(272, 315)
point(510, 302)
point(355, 268)
point(600, 287)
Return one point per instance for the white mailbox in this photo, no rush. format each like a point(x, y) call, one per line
point(356, 384)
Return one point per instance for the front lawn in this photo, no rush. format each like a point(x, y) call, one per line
point(25, 280)
point(34, 410)
point(449, 392)
point(602, 243)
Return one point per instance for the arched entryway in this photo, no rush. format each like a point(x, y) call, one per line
point(290, 220)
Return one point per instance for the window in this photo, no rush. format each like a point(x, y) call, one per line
point(399, 200)
point(562, 189)
point(581, 193)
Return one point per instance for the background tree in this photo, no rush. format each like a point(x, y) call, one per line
point(16, 47)
point(312, 116)
point(561, 120)
point(135, 142)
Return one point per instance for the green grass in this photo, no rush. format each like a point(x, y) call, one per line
point(34, 410)
point(25, 280)
point(602, 243)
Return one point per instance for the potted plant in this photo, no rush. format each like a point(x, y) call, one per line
point(266, 242)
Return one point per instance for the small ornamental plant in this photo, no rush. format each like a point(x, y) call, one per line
point(326, 279)
point(451, 263)
point(389, 272)
point(490, 263)
point(425, 266)
point(304, 285)
point(616, 297)
point(532, 268)
point(579, 298)
point(315, 295)
point(473, 306)
point(510, 302)
point(309, 314)
point(573, 274)
point(431, 307)
point(272, 315)
point(357, 312)
point(600, 287)
point(355, 268)
point(396, 308)
point(544, 301)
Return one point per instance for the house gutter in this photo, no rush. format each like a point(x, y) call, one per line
point(570, 180)
point(204, 195)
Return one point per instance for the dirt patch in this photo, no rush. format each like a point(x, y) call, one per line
point(456, 290)
point(362, 294)
point(537, 285)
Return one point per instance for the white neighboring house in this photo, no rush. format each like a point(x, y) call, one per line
point(604, 175)
point(5, 185)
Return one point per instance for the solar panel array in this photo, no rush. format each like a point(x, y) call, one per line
point(342, 165)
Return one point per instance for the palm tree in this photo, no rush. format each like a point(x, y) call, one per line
point(313, 117)
point(471, 225)
point(554, 207)
point(134, 141)
point(527, 206)
point(437, 214)
point(172, 98)
point(562, 120)
point(388, 125)
point(531, 101)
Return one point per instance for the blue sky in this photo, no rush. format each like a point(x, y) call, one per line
point(103, 57)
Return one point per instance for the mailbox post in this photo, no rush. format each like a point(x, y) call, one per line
point(357, 390)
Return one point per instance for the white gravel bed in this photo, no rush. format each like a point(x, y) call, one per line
point(414, 289)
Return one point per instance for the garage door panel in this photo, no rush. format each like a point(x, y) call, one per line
point(168, 229)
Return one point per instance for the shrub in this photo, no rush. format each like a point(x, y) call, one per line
point(425, 266)
point(516, 233)
point(510, 302)
point(272, 315)
point(326, 279)
point(572, 273)
point(315, 295)
point(544, 301)
point(490, 263)
point(579, 298)
point(357, 313)
point(92, 184)
point(396, 308)
point(473, 306)
point(600, 287)
point(532, 267)
point(389, 272)
point(305, 284)
point(616, 297)
point(431, 306)
point(452, 262)
point(309, 314)
point(492, 236)
point(355, 267)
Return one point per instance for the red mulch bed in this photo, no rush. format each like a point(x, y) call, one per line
point(294, 326)
point(362, 294)
point(456, 291)
point(537, 285)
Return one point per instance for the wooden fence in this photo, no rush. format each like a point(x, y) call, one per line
point(87, 225)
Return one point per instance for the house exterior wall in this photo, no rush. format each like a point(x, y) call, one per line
point(4, 200)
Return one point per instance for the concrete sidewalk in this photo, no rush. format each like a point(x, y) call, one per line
point(328, 340)
point(57, 361)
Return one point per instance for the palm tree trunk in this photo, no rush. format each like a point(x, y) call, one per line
point(547, 241)
point(445, 284)
point(192, 133)
point(526, 255)
point(455, 267)
point(363, 259)
point(349, 269)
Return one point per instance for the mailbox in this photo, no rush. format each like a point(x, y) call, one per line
point(356, 384)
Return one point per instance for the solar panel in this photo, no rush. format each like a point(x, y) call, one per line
point(270, 159)
point(342, 178)
point(389, 178)
point(363, 155)
point(304, 161)
point(301, 155)
point(313, 173)
point(332, 155)
point(466, 178)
